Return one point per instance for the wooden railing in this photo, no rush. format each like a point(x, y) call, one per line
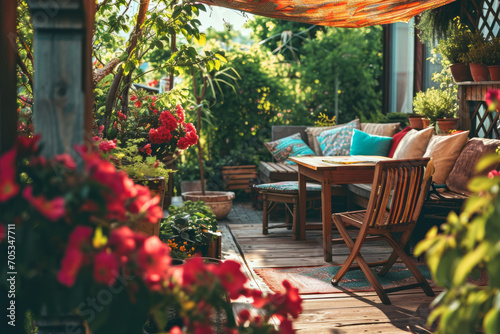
point(473, 112)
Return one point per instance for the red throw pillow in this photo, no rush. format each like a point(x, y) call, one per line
point(396, 139)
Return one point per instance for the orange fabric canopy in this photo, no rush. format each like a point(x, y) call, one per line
point(338, 13)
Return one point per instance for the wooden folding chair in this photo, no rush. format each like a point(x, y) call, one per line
point(398, 193)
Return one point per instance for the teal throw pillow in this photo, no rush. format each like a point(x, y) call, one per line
point(337, 141)
point(367, 144)
point(292, 146)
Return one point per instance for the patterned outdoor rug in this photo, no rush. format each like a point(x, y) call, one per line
point(311, 280)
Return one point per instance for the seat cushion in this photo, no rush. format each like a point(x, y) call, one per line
point(292, 146)
point(381, 129)
point(464, 169)
point(444, 151)
point(337, 141)
point(366, 144)
point(414, 144)
point(288, 187)
point(396, 139)
point(361, 189)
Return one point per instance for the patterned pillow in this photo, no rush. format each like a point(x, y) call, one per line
point(338, 141)
point(292, 146)
point(287, 187)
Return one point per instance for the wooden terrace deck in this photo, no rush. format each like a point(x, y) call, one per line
point(323, 313)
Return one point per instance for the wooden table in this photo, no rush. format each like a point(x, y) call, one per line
point(327, 174)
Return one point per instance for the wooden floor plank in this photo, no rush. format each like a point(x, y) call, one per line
point(333, 313)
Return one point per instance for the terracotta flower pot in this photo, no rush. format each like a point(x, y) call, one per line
point(479, 72)
point(494, 72)
point(220, 202)
point(426, 123)
point(416, 121)
point(447, 124)
point(460, 72)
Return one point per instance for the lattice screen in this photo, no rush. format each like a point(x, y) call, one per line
point(486, 19)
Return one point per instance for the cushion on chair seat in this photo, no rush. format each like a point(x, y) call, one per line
point(288, 187)
point(361, 189)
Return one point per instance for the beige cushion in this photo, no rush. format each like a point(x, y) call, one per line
point(313, 132)
point(414, 144)
point(378, 129)
point(444, 151)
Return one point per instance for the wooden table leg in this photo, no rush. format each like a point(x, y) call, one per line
point(326, 203)
point(302, 205)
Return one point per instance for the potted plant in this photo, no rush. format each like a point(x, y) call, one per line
point(478, 58)
point(143, 168)
point(439, 106)
point(191, 229)
point(453, 49)
point(416, 121)
point(71, 229)
point(494, 63)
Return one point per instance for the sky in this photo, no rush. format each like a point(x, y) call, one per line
point(219, 17)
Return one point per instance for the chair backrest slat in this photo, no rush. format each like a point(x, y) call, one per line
point(397, 192)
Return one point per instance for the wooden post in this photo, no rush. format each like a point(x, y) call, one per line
point(8, 106)
point(463, 111)
point(62, 90)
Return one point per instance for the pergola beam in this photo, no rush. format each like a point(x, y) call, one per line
point(62, 89)
point(8, 105)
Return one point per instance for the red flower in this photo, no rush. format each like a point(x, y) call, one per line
point(138, 104)
point(147, 149)
point(66, 160)
point(154, 261)
point(231, 277)
point(8, 185)
point(52, 209)
point(105, 268)
point(176, 330)
point(144, 203)
point(133, 98)
point(96, 138)
point(153, 83)
point(180, 114)
point(192, 273)
point(80, 236)
point(492, 99)
point(122, 241)
point(2, 232)
point(289, 302)
point(122, 116)
point(101, 128)
point(27, 145)
point(493, 174)
point(70, 266)
point(107, 145)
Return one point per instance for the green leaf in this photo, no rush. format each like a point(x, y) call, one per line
point(469, 262)
point(202, 40)
point(217, 64)
point(221, 57)
point(487, 161)
point(481, 183)
point(492, 321)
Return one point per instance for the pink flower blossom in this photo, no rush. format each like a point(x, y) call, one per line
point(8, 184)
point(53, 209)
point(70, 266)
point(105, 268)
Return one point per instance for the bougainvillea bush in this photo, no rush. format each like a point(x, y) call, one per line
point(67, 222)
point(157, 123)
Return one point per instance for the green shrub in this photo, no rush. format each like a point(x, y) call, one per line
point(436, 103)
point(469, 243)
point(479, 51)
point(189, 229)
